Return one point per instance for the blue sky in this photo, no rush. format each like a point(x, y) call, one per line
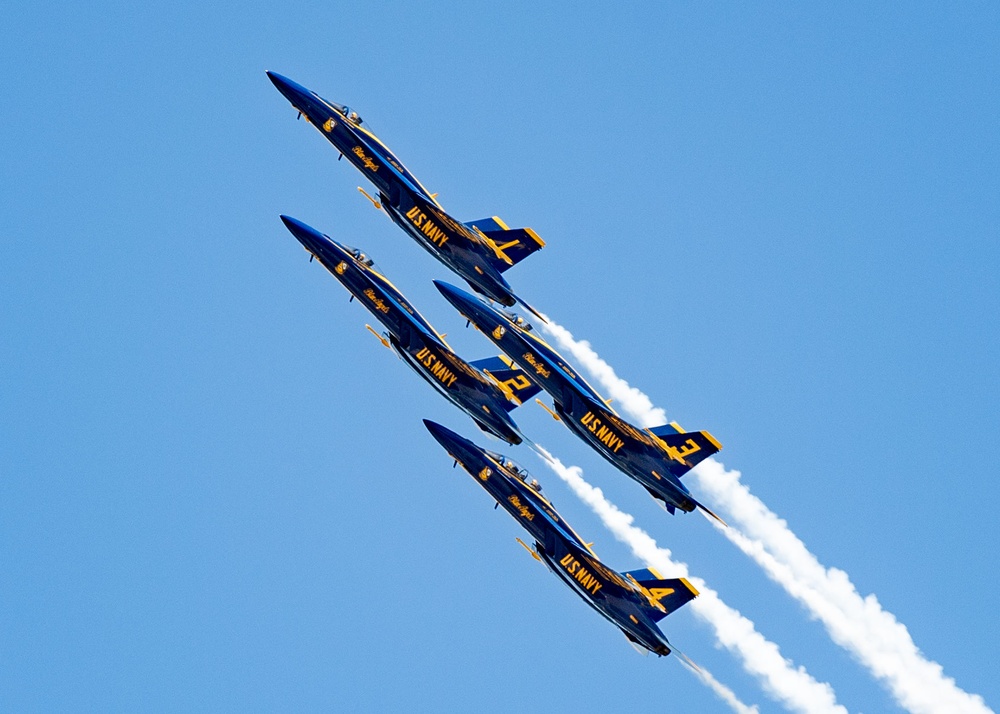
point(216, 492)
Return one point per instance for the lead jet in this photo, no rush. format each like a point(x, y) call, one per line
point(656, 458)
point(479, 251)
point(487, 390)
point(633, 601)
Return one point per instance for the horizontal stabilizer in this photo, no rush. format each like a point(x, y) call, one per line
point(667, 429)
point(514, 243)
point(643, 574)
point(671, 594)
point(488, 224)
point(510, 378)
point(686, 449)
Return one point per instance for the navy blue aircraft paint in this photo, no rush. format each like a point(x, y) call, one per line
point(656, 457)
point(479, 251)
point(633, 601)
point(487, 390)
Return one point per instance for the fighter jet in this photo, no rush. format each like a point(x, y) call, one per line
point(656, 457)
point(487, 390)
point(479, 251)
point(633, 601)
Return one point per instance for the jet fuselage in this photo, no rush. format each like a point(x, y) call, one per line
point(615, 595)
point(462, 248)
point(410, 335)
point(634, 451)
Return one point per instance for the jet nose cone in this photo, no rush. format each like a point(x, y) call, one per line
point(279, 81)
point(292, 223)
point(293, 92)
point(436, 430)
point(456, 297)
point(296, 227)
point(444, 436)
point(310, 238)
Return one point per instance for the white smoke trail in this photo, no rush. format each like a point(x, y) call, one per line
point(880, 642)
point(859, 625)
point(722, 691)
point(790, 685)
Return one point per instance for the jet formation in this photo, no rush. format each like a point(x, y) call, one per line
point(488, 390)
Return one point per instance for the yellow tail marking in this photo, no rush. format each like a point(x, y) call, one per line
point(497, 250)
point(504, 387)
point(534, 236)
point(689, 586)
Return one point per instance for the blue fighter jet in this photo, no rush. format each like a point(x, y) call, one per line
point(634, 601)
point(656, 457)
point(479, 251)
point(487, 390)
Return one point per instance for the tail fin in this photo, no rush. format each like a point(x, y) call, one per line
point(515, 243)
point(510, 378)
point(687, 449)
point(671, 594)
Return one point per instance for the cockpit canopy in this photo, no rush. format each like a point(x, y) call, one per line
point(516, 468)
point(518, 320)
point(362, 258)
point(344, 111)
point(352, 116)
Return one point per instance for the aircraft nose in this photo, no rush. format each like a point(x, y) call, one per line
point(456, 297)
point(454, 444)
point(311, 239)
point(438, 432)
point(290, 89)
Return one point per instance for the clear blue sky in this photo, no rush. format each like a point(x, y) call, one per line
point(215, 489)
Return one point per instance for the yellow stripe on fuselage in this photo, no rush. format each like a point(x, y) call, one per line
point(410, 176)
point(402, 301)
